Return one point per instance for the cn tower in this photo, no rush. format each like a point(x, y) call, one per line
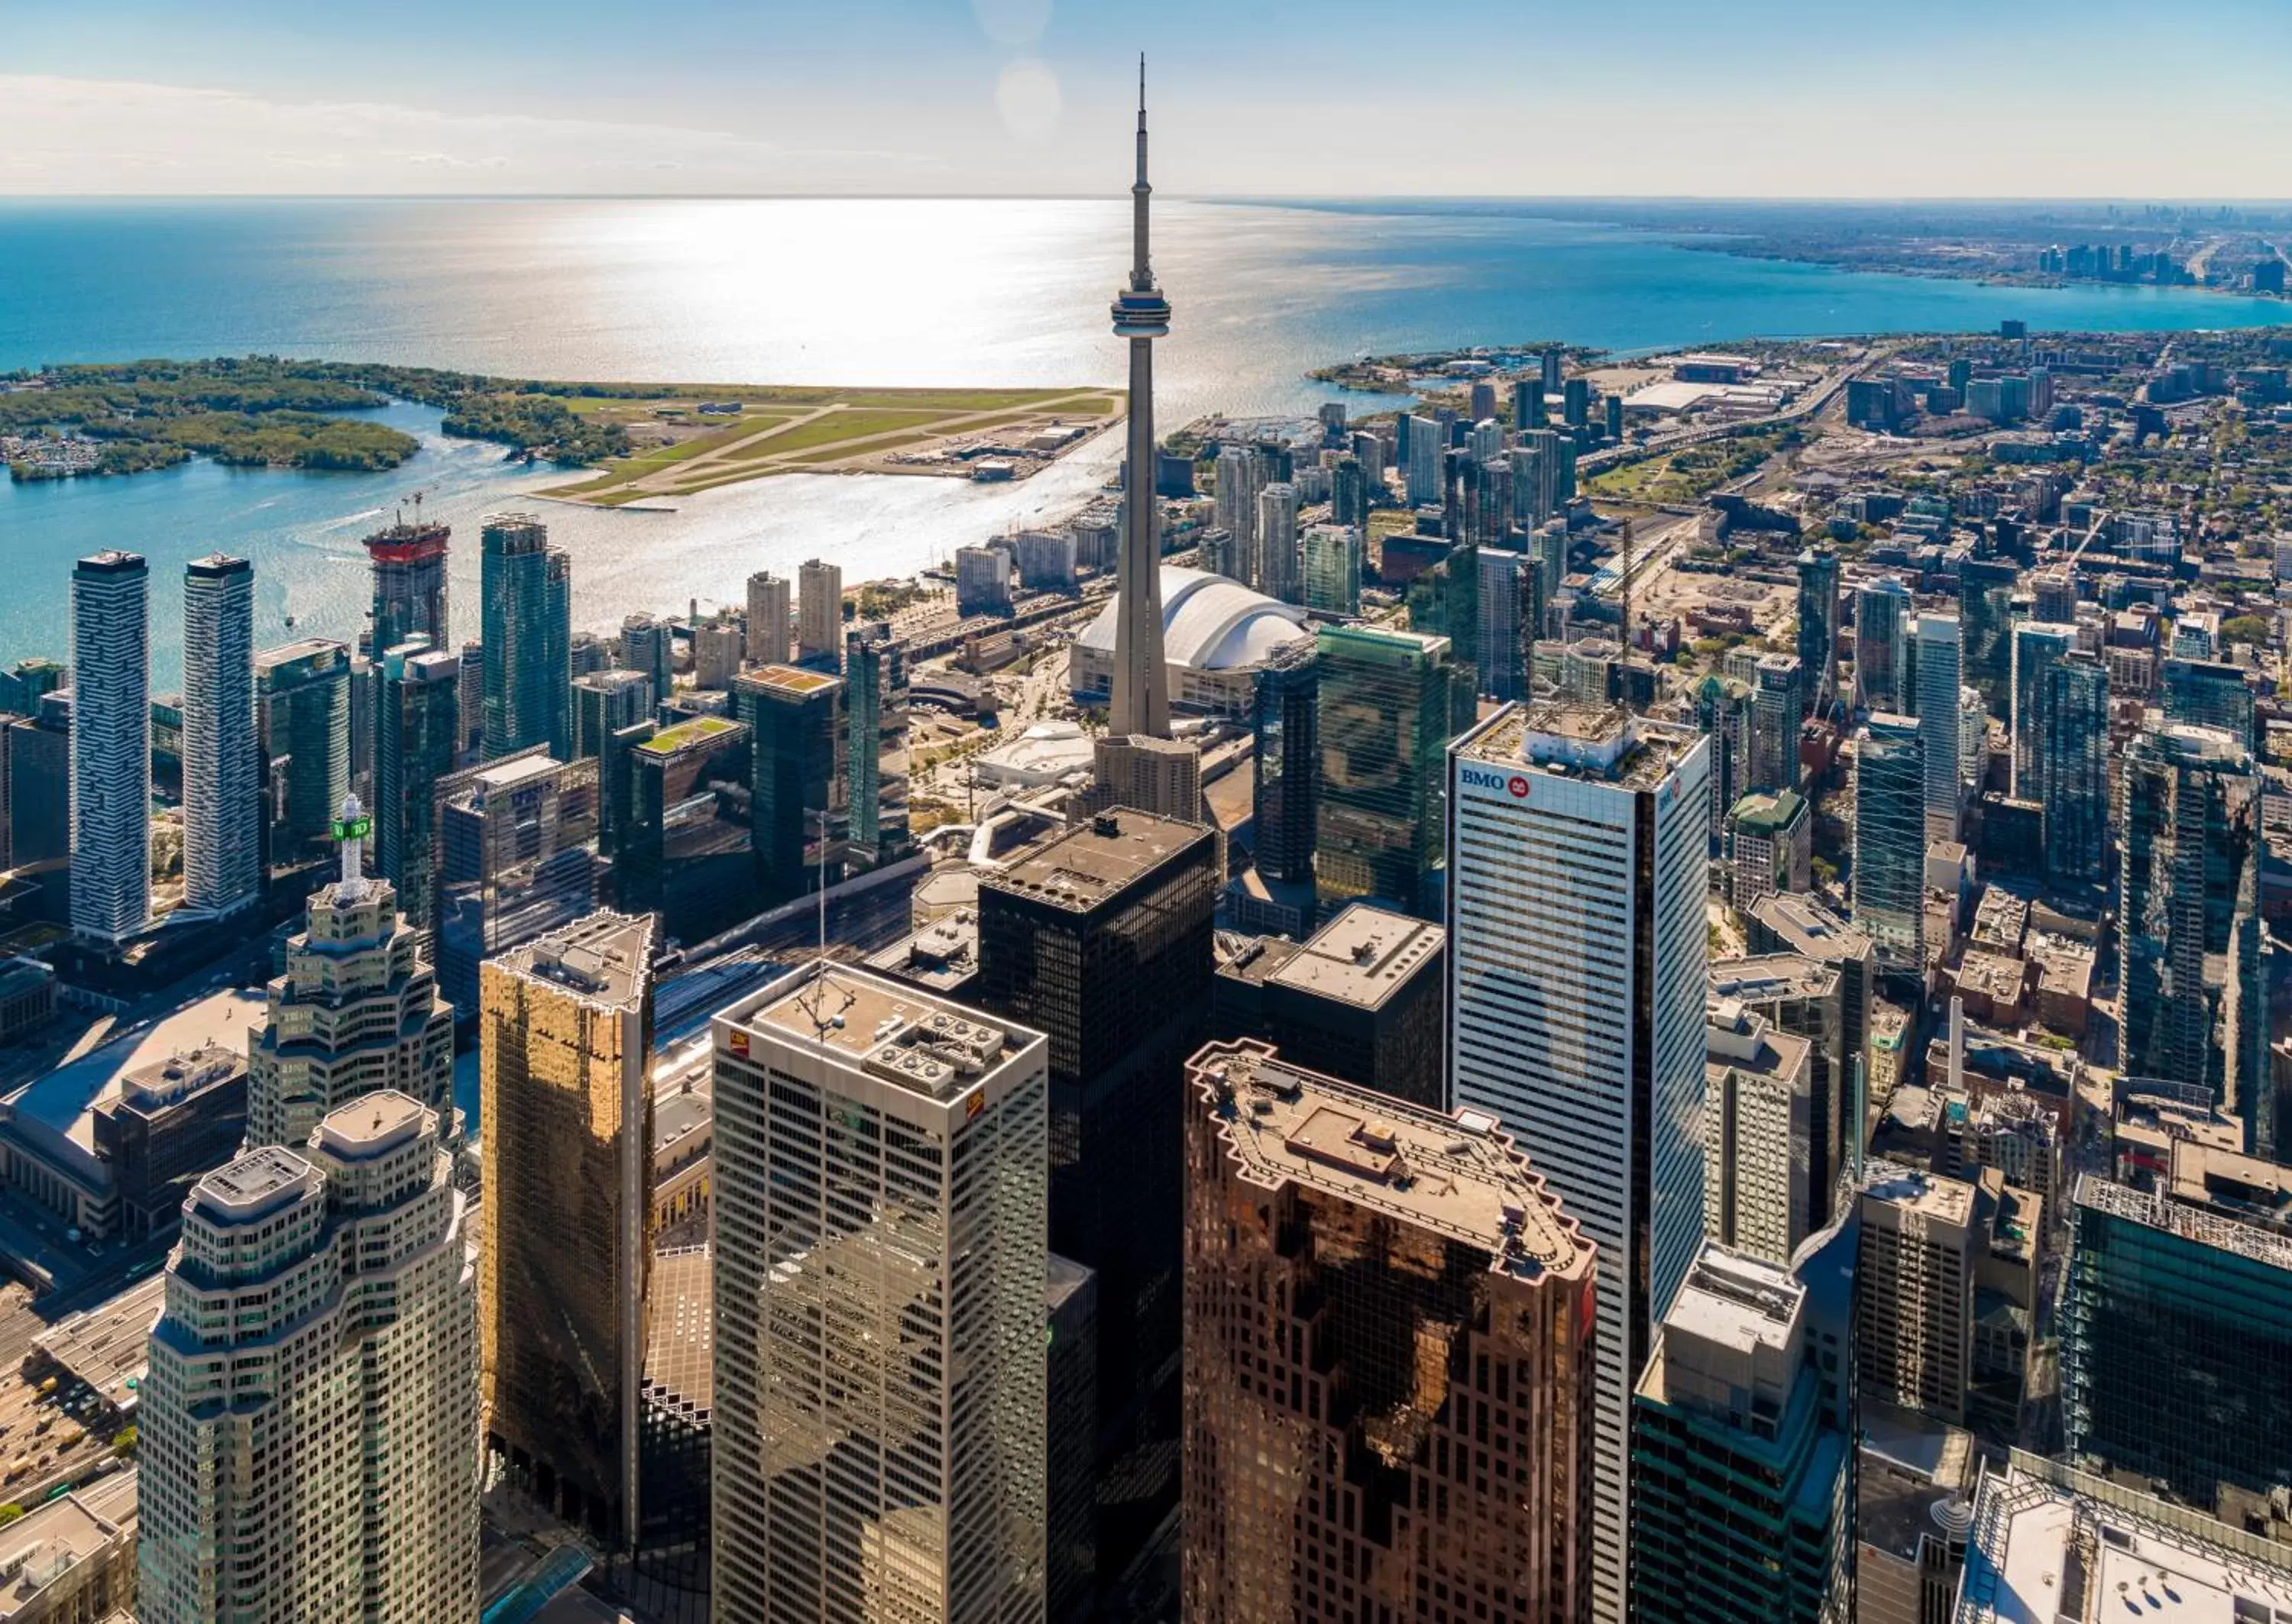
point(1141, 687)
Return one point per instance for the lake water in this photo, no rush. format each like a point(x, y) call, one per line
point(856, 291)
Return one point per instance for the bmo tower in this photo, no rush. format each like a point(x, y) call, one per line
point(1577, 960)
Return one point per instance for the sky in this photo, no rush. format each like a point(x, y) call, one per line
point(2133, 99)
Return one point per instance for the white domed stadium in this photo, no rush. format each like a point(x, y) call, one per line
point(1216, 633)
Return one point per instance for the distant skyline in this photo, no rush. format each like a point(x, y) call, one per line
point(1671, 98)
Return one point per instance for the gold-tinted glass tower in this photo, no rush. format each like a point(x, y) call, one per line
point(1389, 1357)
point(565, 1035)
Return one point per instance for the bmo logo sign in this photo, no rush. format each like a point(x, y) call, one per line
point(1489, 781)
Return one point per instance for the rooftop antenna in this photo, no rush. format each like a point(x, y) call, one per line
point(811, 1000)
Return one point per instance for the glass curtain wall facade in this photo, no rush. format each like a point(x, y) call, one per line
point(565, 1041)
point(1890, 839)
point(880, 1364)
point(1384, 728)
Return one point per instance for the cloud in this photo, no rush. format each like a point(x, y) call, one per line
point(67, 136)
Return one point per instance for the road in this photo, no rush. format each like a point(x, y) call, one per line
point(1832, 384)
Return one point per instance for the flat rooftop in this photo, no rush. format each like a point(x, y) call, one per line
point(1771, 976)
point(1598, 743)
point(790, 679)
point(2211, 1222)
point(301, 648)
point(372, 1125)
point(1811, 928)
point(51, 1538)
point(1736, 1301)
point(1913, 1190)
point(108, 1346)
point(262, 1180)
point(509, 774)
point(941, 957)
point(55, 1113)
point(1458, 1175)
point(1081, 867)
point(605, 959)
point(2051, 1542)
point(686, 735)
point(876, 1027)
point(1362, 957)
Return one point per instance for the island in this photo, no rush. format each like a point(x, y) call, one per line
point(642, 440)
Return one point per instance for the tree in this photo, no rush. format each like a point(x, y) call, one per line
point(9, 1512)
point(125, 1440)
point(2245, 629)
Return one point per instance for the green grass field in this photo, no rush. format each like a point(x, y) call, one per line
point(785, 423)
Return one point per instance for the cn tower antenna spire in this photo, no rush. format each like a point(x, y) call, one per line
point(1140, 701)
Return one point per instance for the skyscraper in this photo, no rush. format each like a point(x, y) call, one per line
point(1433, 1333)
point(421, 719)
point(110, 747)
point(820, 614)
point(222, 763)
point(1939, 716)
point(1507, 603)
point(302, 694)
point(1100, 936)
point(1383, 728)
point(527, 637)
point(1141, 700)
point(2188, 935)
point(2176, 1325)
point(646, 646)
point(682, 845)
point(357, 1011)
point(409, 586)
point(878, 1446)
point(1577, 977)
point(1333, 569)
point(1890, 839)
point(799, 775)
point(1777, 713)
point(1349, 493)
point(565, 1040)
point(605, 702)
point(1883, 617)
point(1237, 508)
point(2036, 648)
point(1287, 752)
point(309, 1419)
point(1278, 571)
point(1424, 461)
point(1985, 598)
point(874, 678)
point(1817, 623)
point(2073, 767)
point(1759, 1131)
point(767, 612)
point(1745, 1504)
point(517, 845)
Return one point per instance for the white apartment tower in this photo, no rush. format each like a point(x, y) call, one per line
point(309, 1423)
point(357, 1011)
point(222, 809)
point(111, 747)
point(768, 618)
point(819, 611)
point(882, 1161)
point(1578, 836)
point(1277, 566)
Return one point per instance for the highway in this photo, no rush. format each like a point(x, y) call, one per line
point(1827, 390)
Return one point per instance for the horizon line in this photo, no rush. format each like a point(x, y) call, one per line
point(864, 195)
